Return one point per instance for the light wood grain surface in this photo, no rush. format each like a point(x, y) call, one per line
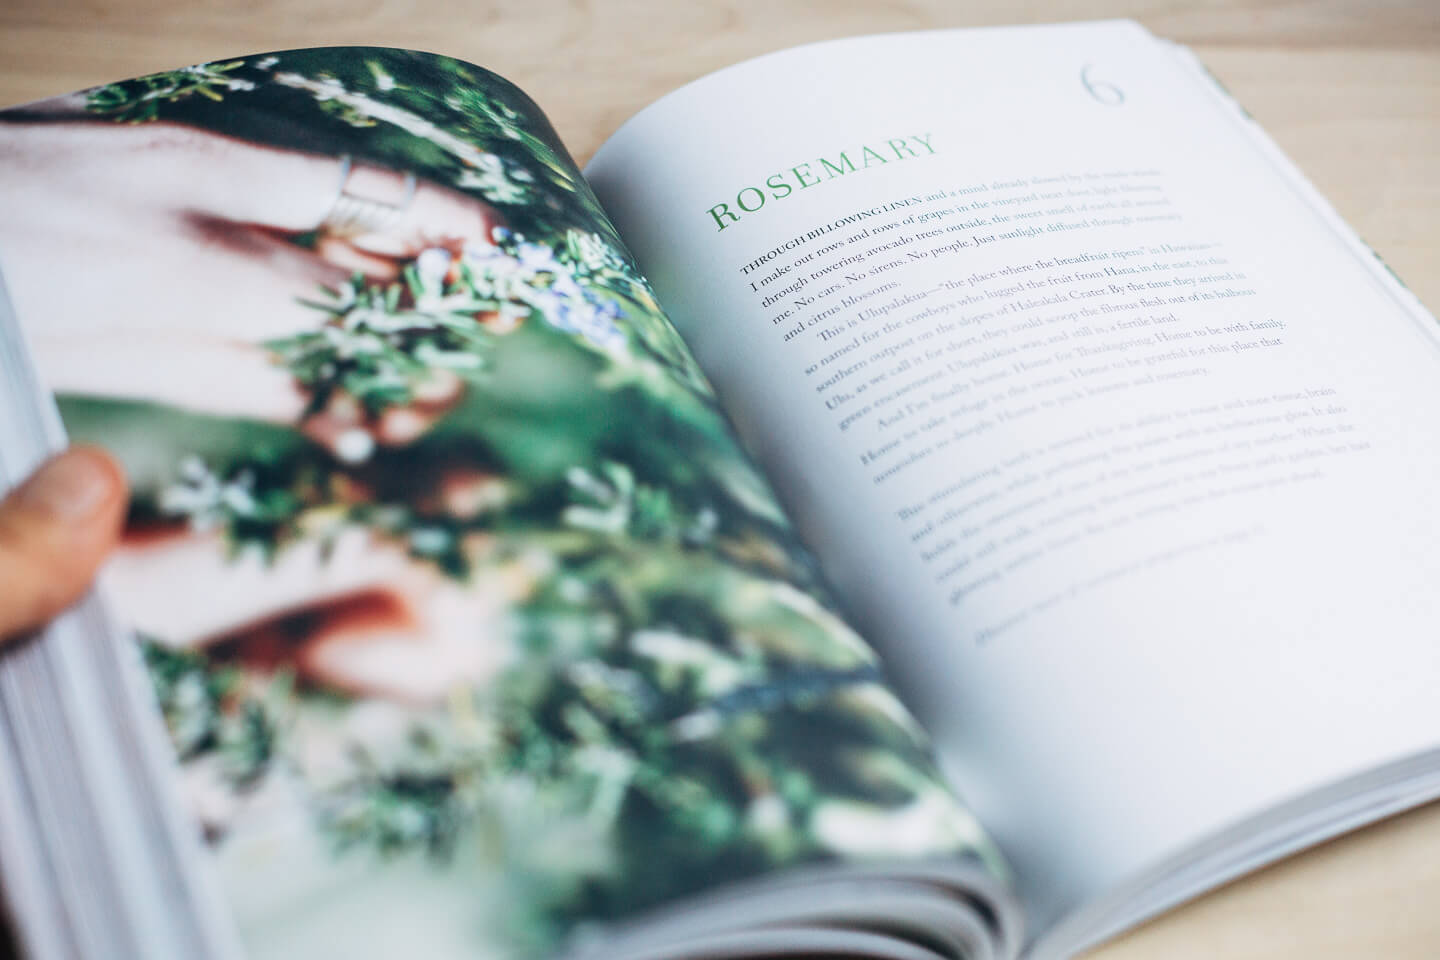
point(1350, 89)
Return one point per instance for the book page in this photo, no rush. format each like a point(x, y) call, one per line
point(1114, 447)
point(474, 630)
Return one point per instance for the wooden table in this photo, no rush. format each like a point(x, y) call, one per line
point(1350, 89)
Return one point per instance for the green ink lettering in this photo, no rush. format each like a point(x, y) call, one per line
point(722, 210)
point(740, 199)
point(897, 146)
point(833, 170)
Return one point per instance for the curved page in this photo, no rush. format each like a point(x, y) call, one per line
point(470, 622)
point(1121, 453)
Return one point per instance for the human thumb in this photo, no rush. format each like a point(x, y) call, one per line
point(55, 530)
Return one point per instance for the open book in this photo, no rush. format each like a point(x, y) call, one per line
point(923, 496)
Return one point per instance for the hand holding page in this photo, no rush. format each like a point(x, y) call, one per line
point(474, 623)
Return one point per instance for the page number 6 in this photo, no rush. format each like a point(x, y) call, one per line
point(1103, 92)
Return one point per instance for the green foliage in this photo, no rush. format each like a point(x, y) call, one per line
point(398, 812)
point(213, 710)
point(140, 100)
point(678, 704)
point(460, 125)
point(256, 502)
point(379, 342)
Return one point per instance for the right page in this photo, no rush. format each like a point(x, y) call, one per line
point(1115, 441)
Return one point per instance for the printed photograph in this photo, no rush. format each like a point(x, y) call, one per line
point(470, 622)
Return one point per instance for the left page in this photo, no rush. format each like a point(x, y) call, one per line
point(471, 625)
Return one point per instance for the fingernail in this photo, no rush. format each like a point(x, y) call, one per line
point(71, 486)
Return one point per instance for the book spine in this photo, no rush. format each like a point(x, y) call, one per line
point(97, 855)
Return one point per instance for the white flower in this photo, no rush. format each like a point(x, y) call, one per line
point(591, 250)
point(238, 496)
point(202, 498)
point(432, 266)
point(494, 185)
point(701, 725)
point(354, 445)
point(716, 672)
point(768, 814)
